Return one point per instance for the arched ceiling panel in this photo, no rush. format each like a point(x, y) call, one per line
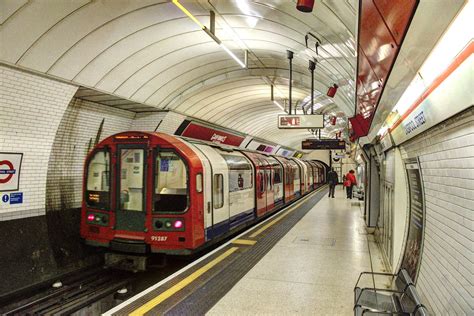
point(150, 52)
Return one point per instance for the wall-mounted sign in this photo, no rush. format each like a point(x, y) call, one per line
point(323, 144)
point(414, 244)
point(198, 131)
point(10, 165)
point(300, 121)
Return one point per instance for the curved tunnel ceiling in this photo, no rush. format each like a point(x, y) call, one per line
point(150, 52)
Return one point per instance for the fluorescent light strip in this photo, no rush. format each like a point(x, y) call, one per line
point(232, 55)
point(205, 29)
point(192, 17)
point(279, 105)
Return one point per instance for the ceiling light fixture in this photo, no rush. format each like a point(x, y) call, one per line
point(212, 35)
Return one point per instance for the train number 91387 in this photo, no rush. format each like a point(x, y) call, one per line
point(159, 238)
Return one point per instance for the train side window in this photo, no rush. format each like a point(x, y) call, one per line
point(171, 183)
point(218, 191)
point(240, 173)
point(98, 180)
point(199, 182)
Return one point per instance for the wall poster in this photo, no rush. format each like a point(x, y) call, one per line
point(416, 226)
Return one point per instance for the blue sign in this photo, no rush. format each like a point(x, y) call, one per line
point(164, 165)
point(16, 198)
point(5, 198)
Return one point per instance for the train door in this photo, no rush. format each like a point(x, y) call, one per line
point(260, 185)
point(287, 179)
point(261, 189)
point(303, 175)
point(277, 180)
point(270, 201)
point(217, 186)
point(310, 175)
point(295, 172)
point(131, 179)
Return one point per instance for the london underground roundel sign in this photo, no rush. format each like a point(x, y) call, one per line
point(10, 164)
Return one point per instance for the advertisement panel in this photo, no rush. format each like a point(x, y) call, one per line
point(198, 131)
point(414, 243)
point(10, 165)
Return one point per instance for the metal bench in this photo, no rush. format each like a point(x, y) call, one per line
point(399, 297)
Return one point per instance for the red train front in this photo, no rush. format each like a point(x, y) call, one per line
point(160, 193)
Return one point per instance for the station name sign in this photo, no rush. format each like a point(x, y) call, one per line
point(323, 144)
point(300, 121)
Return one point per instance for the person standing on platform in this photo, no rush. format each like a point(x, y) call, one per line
point(332, 181)
point(350, 182)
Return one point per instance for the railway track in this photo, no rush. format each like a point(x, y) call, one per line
point(75, 294)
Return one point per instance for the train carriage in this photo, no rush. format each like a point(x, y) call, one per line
point(166, 194)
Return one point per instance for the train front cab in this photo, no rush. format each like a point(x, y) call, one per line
point(143, 190)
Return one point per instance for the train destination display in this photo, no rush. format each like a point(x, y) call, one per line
point(414, 244)
point(323, 144)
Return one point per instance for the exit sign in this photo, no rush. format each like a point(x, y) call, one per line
point(300, 121)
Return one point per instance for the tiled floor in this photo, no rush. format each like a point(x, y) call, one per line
point(313, 269)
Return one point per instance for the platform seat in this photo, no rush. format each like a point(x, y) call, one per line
point(395, 295)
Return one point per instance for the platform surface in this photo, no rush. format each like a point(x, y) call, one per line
point(305, 260)
point(312, 269)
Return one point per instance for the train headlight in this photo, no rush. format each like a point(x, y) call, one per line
point(168, 224)
point(98, 219)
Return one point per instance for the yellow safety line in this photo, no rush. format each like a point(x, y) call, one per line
point(182, 284)
point(244, 242)
point(276, 220)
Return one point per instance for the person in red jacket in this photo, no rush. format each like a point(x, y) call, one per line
point(350, 182)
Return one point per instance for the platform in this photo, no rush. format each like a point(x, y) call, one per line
point(303, 260)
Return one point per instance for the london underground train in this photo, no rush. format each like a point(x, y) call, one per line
point(154, 192)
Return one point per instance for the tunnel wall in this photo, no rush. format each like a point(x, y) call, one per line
point(31, 111)
point(446, 154)
point(79, 126)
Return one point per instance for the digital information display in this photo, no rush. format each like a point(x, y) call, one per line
point(323, 144)
point(414, 244)
point(300, 121)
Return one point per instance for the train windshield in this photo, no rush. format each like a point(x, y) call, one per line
point(98, 181)
point(171, 184)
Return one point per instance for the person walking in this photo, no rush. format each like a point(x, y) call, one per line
point(332, 181)
point(350, 182)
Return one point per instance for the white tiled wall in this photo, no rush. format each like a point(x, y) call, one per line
point(31, 108)
point(170, 121)
point(447, 159)
point(80, 124)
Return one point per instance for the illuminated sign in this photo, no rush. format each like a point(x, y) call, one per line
point(323, 144)
point(10, 165)
point(301, 121)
